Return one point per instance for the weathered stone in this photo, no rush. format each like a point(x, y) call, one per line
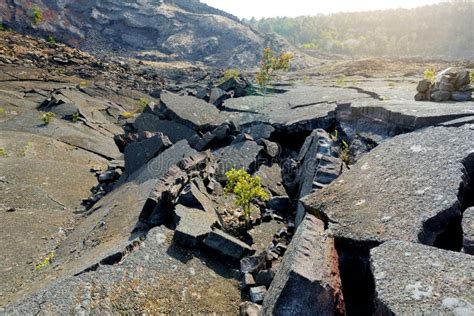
point(420, 97)
point(174, 130)
point(190, 111)
point(423, 86)
point(192, 225)
point(241, 155)
point(462, 79)
point(139, 153)
point(124, 140)
point(226, 244)
point(320, 165)
point(253, 264)
point(271, 179)
point(250, 309)
point(413, 279)
point(259, 131)
point(468, 231)
point(440, 96)
point(280, 204)
point(155, 269)
point(307, 281)
point(192, 196)
point(217, 95)
point(258, 293)
point(271, 149)
point(407, 188)
point(208, 139)
point(405, 115)
point(460, 96)
point(248, 281)
point(264, 277)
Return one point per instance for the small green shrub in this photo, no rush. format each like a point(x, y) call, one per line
point(2, 111)
point(429, 74)
point(47, 117)
point(269, 65)
point(230, 73)
point(341, 81)
point(46, 261)
point(36, 15)
point(3, 152)
point(50, 39)
point(75, 117)
point(142, 104)
point(2, 28)
point(246, 188)
point(127, 115)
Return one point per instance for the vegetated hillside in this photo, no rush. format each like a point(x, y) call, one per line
point(442, 30)
point(162, 30)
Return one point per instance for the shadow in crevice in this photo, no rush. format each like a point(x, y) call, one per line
point(451, 237)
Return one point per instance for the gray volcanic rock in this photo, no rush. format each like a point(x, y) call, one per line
point(408, 114)
point(413, 279)
point(302, 108)
point(190, 111)
point(226, 244)
point(408, 188)
point(271, 179)
point(320, 165)
point(468, 230)
point(153, 270)
point(151, 29)
point(192, 225)
point(147, 122)
point(139, 153)
point(307, 281)
point(241, 155)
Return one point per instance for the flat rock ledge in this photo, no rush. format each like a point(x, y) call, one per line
point(414, 279)
point(408, 188)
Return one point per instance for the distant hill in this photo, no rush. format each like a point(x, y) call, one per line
point(160, 30)
point(442, 30)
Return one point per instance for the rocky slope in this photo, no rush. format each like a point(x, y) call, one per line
point(152, 29)
point(116, 206)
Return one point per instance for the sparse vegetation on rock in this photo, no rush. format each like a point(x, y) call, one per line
point(246, 189)
point(47, 117)
point(36, 15)
point(270, 65)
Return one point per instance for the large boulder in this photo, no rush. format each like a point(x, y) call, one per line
point(190, 111)
point(408, 188)
point(175, 131)
point(139, 153)
point(307, 281)
point(413, 279)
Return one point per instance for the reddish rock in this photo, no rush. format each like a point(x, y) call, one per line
point(308, 280)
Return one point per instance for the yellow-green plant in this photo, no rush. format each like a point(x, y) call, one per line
point(1, 27)
point(127, 115)
point(230, 73)
point(50, 39)
point(36, 15)
point(75, 117)
point(142, 103)
point(246, 189)
point(471, 76)
point(429, 74)
point(47, 117)
point(345, 151)
point(2, 111)
point(341, 81)
point(46, 261)
point(269, 65)
point(3, 152)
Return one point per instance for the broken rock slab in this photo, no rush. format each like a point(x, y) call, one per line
point(271, 179)
point(139, 153)
point(190, 111)
point(241, 155)
point(227, 244)
point(307, 281)
point(414, 279)
point(175, 131)
point(192, 225)
point(408, 188)
point(468, 230)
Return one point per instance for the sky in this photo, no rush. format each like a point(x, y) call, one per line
point(271, 8)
